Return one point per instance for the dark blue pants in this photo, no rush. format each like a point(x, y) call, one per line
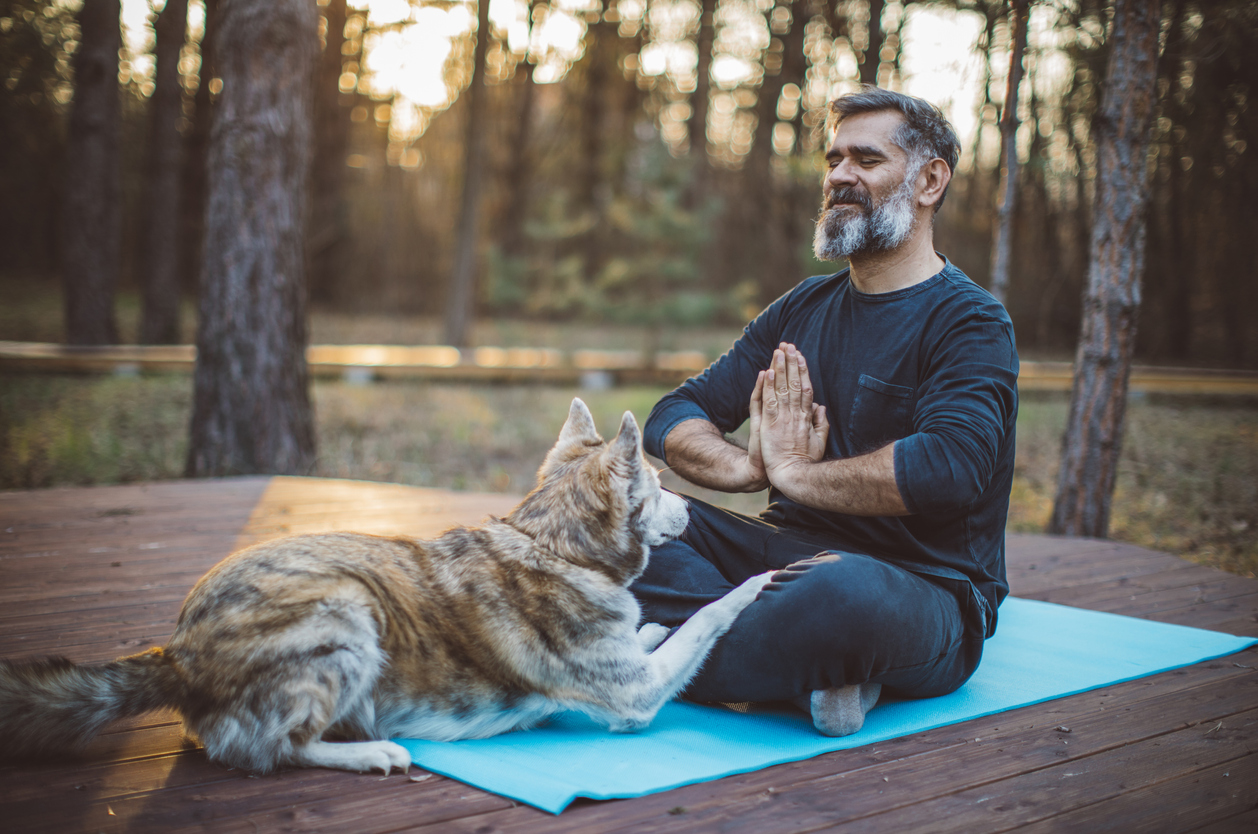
point(831, 618)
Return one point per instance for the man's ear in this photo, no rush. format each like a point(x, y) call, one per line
point(933, 180)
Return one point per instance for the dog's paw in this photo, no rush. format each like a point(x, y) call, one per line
point(629, 723)
point(357, 756)
point(746, 593)
point(651, 635)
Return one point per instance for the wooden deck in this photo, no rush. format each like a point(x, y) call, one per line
point(94, 573)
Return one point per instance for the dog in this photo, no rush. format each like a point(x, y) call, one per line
point(314, 650)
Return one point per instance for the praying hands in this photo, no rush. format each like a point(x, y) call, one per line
point(788, 429)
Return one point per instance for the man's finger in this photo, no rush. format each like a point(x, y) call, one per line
point(793, 385)
point(770, 391)
point(780, 381)
point(805, 385)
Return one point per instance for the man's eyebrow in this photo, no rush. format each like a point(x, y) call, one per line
point(858, 150)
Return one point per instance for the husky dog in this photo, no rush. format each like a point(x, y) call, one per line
point(288, 646)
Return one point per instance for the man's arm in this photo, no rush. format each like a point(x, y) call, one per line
point(787, 421)
point(699, 452)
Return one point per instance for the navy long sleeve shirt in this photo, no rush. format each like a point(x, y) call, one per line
point(932, 367)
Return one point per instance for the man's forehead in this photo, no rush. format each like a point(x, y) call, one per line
point(868, 130)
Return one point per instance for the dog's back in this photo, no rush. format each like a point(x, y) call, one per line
point(345, 635)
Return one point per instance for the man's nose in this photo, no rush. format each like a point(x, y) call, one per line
point(841, 175)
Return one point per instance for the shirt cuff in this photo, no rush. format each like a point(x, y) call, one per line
point(662, 421)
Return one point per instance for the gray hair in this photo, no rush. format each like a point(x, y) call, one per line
point(924, 135)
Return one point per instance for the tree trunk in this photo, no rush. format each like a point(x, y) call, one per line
point(873, 51)
point(517, 176)
point(160, 321)
point(1002, 239)
point(697, 130)
point(92, 216)
point(1093, 439)
point(462, 301)
point(251, 405)
point(331, 140)
point(196, 151)
point(767, 207)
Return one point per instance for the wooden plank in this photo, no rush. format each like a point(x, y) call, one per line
point(1247, 821)
point(1209, 614)
point(141, 771)
point(1220, 798)
point(939, 760)
point(1043, 795)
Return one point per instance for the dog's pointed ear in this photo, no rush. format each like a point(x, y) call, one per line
point(579, 427)
point(627, 447)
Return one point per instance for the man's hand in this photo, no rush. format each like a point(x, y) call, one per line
point(788, 429)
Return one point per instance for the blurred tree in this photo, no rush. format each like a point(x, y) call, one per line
point(251, 402)
point(91, 226)
point(771, 204)
point(519, 166)
point(1093, 438)
point(461, 299)
point(1002, 238)
point(871, 58)
point(331, 141)
point(697, 130)
point(35, 86)
point(159, 324)
point(1200, 288)
point(194, 187)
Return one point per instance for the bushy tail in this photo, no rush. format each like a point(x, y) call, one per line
point(51, 705)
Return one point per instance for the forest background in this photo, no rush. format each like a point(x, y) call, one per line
point(652, 167)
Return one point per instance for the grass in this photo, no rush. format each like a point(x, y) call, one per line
point(1188, 481)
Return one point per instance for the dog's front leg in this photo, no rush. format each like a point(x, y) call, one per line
point(678, 658)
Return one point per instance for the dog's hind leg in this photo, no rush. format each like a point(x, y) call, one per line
point(318, 675)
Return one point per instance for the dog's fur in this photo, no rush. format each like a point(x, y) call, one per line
point(290, 644)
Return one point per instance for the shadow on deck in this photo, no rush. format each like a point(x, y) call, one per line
point(94, 573)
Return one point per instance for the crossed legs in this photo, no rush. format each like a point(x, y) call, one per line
point(831, 630)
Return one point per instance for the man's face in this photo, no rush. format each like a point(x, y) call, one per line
point(868, 195)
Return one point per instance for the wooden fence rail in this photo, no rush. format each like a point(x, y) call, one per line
point(363, 363)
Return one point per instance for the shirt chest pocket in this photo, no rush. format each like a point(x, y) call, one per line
point(881, 413)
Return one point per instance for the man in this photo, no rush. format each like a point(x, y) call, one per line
point(882, 403)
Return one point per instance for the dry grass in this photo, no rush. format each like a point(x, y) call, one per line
point(1188, 482)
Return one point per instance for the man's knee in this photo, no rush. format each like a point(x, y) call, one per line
point(843, 588)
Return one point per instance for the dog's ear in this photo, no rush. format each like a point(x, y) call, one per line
point(626, 449)
point(579, 427)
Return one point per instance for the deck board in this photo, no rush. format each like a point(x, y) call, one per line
point(93, 573)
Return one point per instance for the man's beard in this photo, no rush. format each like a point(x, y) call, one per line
point(861, 229)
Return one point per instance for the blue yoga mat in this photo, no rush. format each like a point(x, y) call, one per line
point(1041, 651)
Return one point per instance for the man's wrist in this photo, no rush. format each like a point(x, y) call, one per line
point(790, 477)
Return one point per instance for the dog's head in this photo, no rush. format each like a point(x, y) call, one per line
point(599, 504)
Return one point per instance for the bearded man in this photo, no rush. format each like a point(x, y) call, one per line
point(882, 402)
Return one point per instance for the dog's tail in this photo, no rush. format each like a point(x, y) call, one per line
point(51, 705)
